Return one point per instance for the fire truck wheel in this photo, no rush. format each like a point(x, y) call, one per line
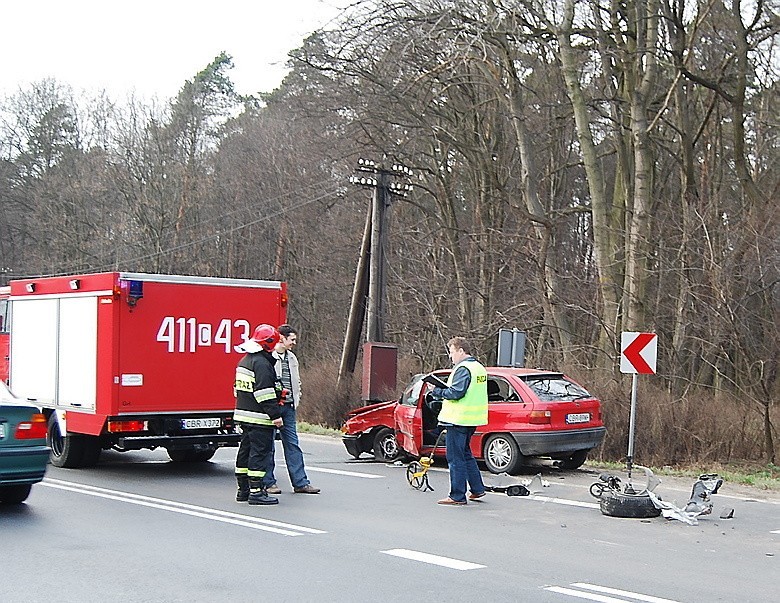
point(385, 445)
point(66, 451)
point(191, 455)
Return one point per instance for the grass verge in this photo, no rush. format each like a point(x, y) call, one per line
point(763, 477)
point(304, 427)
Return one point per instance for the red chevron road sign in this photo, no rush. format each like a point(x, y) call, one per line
point(638, 352)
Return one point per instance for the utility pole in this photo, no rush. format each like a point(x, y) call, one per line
point(368, 293)
point(357, 308)
point(375, 329)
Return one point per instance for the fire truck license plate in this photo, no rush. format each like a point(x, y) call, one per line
point(201, 423)
point(2, 431)
point(580, 417)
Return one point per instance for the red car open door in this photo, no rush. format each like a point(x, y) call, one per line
point(408, 418)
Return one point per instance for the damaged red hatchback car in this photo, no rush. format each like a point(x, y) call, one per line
point(532, 413)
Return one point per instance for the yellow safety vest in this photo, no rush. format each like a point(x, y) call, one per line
point(472, 408)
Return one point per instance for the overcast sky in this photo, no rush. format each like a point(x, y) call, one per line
point(152, 46)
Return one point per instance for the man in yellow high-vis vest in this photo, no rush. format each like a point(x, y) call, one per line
point(464, 408)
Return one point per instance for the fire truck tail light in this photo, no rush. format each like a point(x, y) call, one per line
point(540, 417)
point(34, 429)
point(122, 426)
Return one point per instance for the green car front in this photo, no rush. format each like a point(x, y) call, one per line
point(23, 450)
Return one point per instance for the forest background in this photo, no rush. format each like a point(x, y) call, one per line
point(580, 168)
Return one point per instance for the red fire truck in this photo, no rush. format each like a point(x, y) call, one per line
point(129, 361)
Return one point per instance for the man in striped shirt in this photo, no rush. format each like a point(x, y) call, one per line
point(288, 372)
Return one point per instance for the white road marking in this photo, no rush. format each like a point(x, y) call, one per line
point(564, 501)
point(583, 595)
point(247, 521)
point(622, 593)
point(775, 532)
point(608, 543)
point(311, 469)
point(433, 559)
point(341, 472)
point(603, 598)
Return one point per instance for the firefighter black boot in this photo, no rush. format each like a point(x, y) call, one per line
point(258, 494)
point(242, 494)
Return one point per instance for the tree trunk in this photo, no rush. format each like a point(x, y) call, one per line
point(604, 239)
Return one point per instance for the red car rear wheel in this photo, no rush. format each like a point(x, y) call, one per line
point(575, 461)
point(502, 454)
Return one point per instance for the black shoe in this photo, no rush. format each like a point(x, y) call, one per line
point(262, 498)
point(242, 495)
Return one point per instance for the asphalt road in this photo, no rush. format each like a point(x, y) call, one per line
point(140, 528)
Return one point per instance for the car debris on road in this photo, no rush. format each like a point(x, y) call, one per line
point(513, 486)
point(699, 504)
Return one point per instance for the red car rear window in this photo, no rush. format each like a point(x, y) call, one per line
point(554, 388)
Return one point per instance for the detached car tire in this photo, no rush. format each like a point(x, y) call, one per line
point(502, 454)
point(385, 445)
point(634, 506)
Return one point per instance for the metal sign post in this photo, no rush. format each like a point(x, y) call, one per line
point(631, 424)
point(638, 353)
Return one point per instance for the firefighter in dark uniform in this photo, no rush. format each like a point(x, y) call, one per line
point(258, 394)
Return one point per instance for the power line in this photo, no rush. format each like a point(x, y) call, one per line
point(334, 190)
point(280, 197)
point(234, 229)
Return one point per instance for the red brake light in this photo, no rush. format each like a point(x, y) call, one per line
point(121, 426)
point(34, 429)
point(540, 417)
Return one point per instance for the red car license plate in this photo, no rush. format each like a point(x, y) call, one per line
point(580, 417)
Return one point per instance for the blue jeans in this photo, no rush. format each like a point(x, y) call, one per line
point(293, 455)
point(463, 465)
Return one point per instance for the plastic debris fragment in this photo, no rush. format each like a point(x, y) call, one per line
point(536, 483)
point(513, 486)
point(699, 504)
